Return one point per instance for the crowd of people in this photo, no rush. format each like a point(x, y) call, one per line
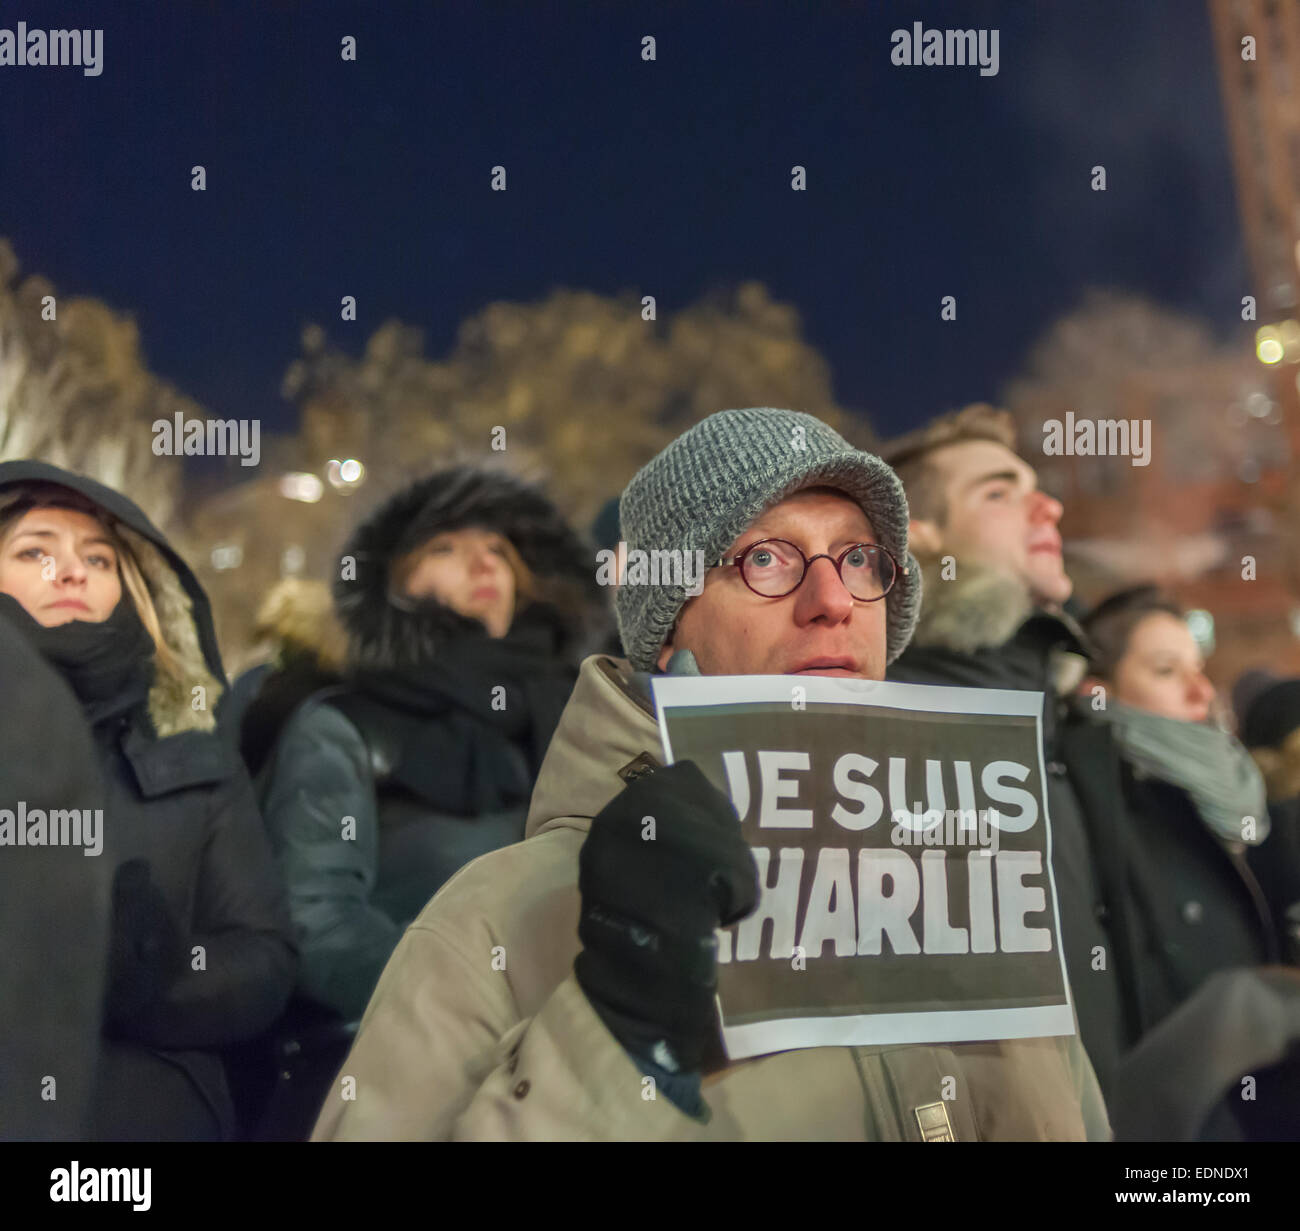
point(390, 883)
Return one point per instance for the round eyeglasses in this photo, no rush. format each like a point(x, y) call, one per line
point(774, 568)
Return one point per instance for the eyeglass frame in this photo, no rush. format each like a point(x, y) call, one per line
point(738, 560)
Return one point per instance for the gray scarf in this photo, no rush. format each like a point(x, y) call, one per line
point(1209, 764)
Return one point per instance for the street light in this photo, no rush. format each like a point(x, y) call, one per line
point(345, 474)
point(1268, 346)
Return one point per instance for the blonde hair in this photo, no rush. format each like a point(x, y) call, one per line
point(136, 586)
point(297, 616)
point(29, 497)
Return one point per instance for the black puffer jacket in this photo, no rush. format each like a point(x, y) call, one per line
point(379, 790)
point(177, 799)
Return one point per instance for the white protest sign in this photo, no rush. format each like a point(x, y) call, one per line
point(904, 856)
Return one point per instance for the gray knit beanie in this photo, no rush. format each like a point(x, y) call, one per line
point(714, 480)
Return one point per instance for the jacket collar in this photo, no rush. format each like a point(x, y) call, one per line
point(989, 620)
point(968, 607)
point(189, 759)
point(607, 733)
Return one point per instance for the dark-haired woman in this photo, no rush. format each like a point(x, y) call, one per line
point(1194, 804)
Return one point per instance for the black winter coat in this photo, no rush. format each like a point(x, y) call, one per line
point(1275, 863)
point(177, 797)
point(1194, 905)
point(187, 807)
point(54, 910)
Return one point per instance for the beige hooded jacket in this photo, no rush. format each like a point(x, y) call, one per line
point(478, 1029)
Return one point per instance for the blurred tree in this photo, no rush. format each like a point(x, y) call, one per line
point(1122, 356)
point(1083, 359)
point(585, 390)
point(1126, 331)
point(75, 391)
point(1215, 515)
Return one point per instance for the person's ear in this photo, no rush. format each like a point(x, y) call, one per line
point(924, 536)
point(661, 663)
point(1089, 684)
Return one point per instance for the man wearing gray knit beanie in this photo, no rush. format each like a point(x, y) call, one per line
point(565, 987)
point(751, 472)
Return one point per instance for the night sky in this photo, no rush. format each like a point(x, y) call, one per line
point(327, 178)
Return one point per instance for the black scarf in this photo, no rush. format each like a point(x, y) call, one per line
point(108, 665)
point(476, 720)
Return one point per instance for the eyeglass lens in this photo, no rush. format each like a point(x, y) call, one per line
point(775, 567)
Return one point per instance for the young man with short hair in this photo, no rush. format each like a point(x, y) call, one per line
point(989, 545)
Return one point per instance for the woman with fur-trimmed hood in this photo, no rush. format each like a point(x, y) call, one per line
point(200, 948)
point(467, 603)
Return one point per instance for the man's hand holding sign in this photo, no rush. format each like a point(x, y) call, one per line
point(664, 867)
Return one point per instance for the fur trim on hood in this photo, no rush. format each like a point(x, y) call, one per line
point(974, 608)
point(979, 608)
point(297, 618)
point(386, 634)
point(184, 615)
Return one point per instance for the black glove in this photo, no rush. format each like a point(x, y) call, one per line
point(146, 950)
point(650, 907)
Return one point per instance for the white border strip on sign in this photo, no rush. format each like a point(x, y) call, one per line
point(864, 1030)
point(695, 690)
